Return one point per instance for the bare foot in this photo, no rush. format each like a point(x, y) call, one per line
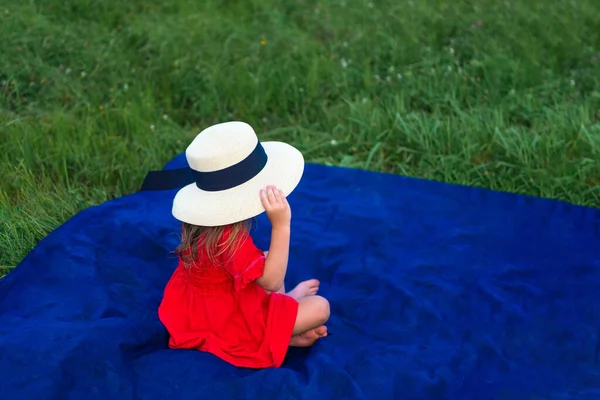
point(308, 338)
point(306, 288)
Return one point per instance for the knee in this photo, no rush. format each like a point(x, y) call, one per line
point(322, 310)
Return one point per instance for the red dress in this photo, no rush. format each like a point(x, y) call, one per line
point(221, 310)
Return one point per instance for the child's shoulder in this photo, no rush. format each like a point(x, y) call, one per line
point(244, 241)
point(238, 246)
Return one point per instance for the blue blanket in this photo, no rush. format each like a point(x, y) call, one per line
point(437, 292)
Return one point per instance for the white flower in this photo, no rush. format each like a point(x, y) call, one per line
point(364, 100)
point(399, 75)
point(165, 117)
point(344, 63)
point(451, 50)
point(125, 86)
point(83, 74)
point(572, 82)
point(68, 71)
point(387, 78)
point(152, 128)
point(333, 142)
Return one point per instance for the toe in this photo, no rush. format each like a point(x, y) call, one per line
point(322, 330)
point(312, 283)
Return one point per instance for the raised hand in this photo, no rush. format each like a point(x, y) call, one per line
point(276, 205)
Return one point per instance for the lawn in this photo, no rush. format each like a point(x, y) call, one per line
point(496, 94)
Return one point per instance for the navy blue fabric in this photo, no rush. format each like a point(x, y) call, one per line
point(437, 292)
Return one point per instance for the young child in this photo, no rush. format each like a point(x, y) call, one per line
point(226, 296)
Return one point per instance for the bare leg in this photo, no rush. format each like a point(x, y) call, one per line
point(303, 289)
point(309, 338)
point(313, 312)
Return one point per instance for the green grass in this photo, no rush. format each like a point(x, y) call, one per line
point(496, 94)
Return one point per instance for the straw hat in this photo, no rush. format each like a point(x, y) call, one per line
point(230, 167)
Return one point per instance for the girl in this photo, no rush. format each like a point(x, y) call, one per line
point(226, 296)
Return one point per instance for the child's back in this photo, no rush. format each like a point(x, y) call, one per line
point(219, 308)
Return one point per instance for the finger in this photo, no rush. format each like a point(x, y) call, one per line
point(284, 200)
point(278, 196)
point(271, 195)
point(264, 199)
point(282, 195)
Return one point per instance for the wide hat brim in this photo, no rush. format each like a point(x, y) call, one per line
point(284, 169)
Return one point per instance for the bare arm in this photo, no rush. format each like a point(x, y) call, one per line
point(279, 213)
point(277, 260)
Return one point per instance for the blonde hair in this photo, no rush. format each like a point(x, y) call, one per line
point(217, 244)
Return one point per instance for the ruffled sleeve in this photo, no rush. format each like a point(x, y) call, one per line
point(247, 263)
